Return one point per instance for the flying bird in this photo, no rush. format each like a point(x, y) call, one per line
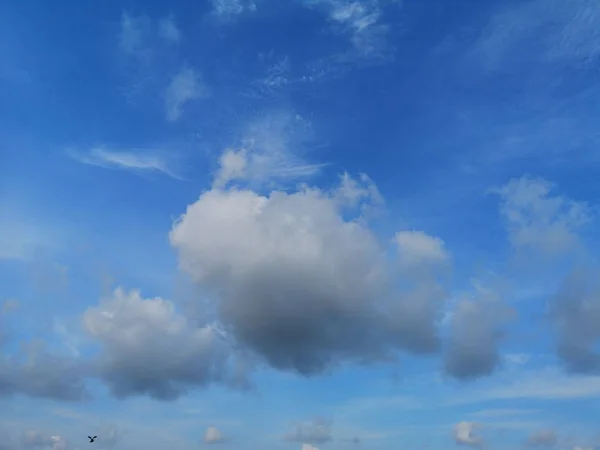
point(92, 438)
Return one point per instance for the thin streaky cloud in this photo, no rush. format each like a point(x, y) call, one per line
point(124, 160)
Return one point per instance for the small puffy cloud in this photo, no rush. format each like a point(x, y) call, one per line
point(362, 191)
point(317, 431)
point(542, 438)
point(212, 435)
point(232, 166)
point(168, 30)
point(309, 447)
point(417, 249)
point(464, 434)
point(37, 439)
point(185, 86)
point(538, 220)
point(292, 279)
point(147, 347)
point(475, 333)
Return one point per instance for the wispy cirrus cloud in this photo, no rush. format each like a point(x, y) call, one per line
point(271, 149)
point(136, 161)
point(364, 23)
point(185, 86)
point(540, 31)
point(228, 9)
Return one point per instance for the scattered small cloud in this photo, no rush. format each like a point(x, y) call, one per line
point(475, 333)
point(539, 221)
point(37, 439)
point(228, 9)
point(36, 372)
point(135, 334)
point(316, 431)
point(212, 436)
point(133, 35)
point(517, 358)
point(416, 248)
point(168, 29)
point(464, 434)
point(185, 86)
point(363, 22)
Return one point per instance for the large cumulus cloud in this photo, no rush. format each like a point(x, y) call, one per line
point(301, 282)
point(298, 281)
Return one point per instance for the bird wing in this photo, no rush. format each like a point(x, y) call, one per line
point(89, 437)
point(95, 437)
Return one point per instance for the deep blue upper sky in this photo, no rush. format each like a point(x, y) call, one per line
point(303, 223)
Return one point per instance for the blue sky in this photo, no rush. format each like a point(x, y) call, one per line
point(319, 224)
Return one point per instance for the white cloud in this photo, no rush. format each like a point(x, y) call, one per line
point(184, 87)
point(416, 248)
point(517, 358)
point(35, 372)
point(148, 348)
point(140, 160)
point(232, 8)
point(548, 227)
point(362, 21)
point(309, 447)
point(576, 316)
point(212, 435)
point(168, 30)
point(539, 221)
point(475, 332)
point(37, 439)
point(271, 150)
point(133, 34)
point(464, 434)
point(362, 192)
point(293, 279)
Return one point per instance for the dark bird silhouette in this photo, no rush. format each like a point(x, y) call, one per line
point(92, 438)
